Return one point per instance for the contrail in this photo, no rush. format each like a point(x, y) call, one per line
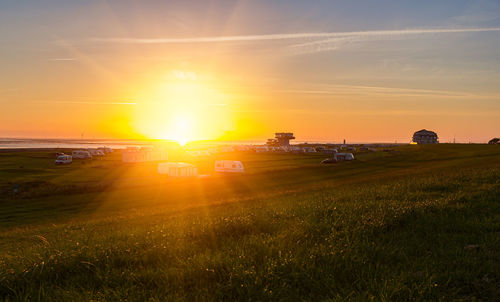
point(292, 36)
point(62, 59)
point(86, 103)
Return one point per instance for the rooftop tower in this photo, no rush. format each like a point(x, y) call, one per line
point(281, 139)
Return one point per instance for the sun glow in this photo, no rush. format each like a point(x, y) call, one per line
point(181, 129)
point(182, 108)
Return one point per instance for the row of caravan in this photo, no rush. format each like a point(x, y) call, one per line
point(65, 159)
point(323, 149)
point(179, 169)
point(338, 157)
point(294, 149)
point(144, 154)
point(90, 152)
point(311, 149)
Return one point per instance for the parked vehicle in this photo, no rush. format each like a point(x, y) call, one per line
point(344, 156)
point(106, 150)
point(308, 150)
point(229, 166)
point(96, 152)
point(81, 154)
point(329, 161)
point(64, 159)
point(329, 151)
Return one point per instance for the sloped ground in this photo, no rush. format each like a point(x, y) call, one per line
point(423, 224)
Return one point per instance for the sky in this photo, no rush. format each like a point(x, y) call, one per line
point(364, 71)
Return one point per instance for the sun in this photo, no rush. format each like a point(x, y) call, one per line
point(182, 108)
point(181, 129)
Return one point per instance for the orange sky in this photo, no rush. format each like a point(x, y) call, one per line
point(245, 71)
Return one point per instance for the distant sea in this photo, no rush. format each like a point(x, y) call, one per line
point(27, 143)
point(23, 143)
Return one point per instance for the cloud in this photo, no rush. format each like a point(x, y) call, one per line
point(86, 103)
point(388, 92)
point(294, 36)
point(62, 59)
point(335, 42)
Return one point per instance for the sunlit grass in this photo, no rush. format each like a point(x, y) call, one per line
point(418, 225)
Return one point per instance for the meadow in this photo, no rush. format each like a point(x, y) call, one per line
point(415, 223)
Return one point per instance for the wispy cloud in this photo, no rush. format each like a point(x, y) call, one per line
point(85, 103)
point(294, 36)
point(335, 42)
point(62, 59)
point(387, 92)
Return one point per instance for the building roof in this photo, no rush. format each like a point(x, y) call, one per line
point(425, 132)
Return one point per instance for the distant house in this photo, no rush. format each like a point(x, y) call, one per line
point(425, 137)
point(494, 141)
point(281, 139)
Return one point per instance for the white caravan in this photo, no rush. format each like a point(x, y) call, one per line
point(82, 154)
point(344, 156)
point(96, 152)
point(308, 150)
point(178, 169)
point(106, 150)
point(64, 159)
point(229, 166)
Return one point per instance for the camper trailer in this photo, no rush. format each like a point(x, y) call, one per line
point(95, 152)
point(64, 159)
point(106, 150)
point(308, 150)
point(81, 154)
point(229, 166)
point(178, 169)
point(344, 157)
point(329, 151)
point(329, 161)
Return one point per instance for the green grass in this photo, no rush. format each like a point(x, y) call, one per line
point(420, 223)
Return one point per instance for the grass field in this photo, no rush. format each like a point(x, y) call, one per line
point(417, 223)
